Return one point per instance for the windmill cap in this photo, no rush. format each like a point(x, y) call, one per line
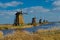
point(18, 13)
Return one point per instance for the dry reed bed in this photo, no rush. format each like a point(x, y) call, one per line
point(39, 35)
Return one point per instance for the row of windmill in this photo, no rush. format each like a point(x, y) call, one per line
point(20, 21)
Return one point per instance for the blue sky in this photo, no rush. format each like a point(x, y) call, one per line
point(44, 9)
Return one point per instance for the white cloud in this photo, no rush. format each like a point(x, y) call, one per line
point(56, 3)
point(48, 0)
point(11, 4)
point(36, 9)
point(7, 12)
point(7, 17)
point(56, 8)
point(2, 14)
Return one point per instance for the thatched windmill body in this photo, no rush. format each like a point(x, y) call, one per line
point(19, 18)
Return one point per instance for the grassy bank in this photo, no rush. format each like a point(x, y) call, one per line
point(3, 27)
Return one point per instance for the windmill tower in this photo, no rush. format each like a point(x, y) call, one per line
point(40, 21)
point(34, 21)
point(19, 19)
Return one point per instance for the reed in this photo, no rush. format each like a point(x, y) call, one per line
point(39, 35)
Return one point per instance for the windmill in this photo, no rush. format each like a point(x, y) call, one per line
point(19, 18)
point(34, 21)
point(40, 20)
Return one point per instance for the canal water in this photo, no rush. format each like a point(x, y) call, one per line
point(35, 28)
point(44, 26)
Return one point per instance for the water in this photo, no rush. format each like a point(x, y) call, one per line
point(45, 26)
point(7, 31)
point(35, 28)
